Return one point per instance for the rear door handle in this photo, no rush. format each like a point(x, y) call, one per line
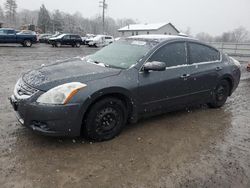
point(185, 76)
point(218, 68)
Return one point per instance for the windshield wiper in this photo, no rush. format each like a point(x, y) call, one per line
point(100, 63)
point(104, 65)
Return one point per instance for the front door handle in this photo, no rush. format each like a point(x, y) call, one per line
point(218, 68)
point(185, 76)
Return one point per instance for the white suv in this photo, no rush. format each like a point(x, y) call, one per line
point(101, 40)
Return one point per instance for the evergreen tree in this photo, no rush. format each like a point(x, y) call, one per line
point(44, 20)
point(57, 22)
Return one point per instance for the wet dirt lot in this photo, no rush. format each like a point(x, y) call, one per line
point(199, 147)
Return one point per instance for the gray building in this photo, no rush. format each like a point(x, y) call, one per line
point(146, 29)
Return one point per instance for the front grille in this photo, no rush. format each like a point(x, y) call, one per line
point(23, 90)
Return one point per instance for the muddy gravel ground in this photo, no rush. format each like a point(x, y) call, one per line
point(198, 147)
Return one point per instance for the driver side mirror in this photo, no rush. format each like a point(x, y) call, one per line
point(154, 66)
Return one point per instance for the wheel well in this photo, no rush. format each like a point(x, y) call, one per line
point(230, 81)
point(126, 101)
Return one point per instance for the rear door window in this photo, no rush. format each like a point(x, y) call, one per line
point(173, 54)
point(75, 37)
point(201, 53)
point(66, 37)
point(11, 32)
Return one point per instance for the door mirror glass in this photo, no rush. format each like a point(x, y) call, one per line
point(154, 66)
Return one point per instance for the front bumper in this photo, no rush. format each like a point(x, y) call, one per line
point(50, 120)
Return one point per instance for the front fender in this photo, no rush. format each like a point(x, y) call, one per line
point(115, 92)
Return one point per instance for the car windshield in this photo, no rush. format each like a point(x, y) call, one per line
point(59, 36)
point(121, 54)
point(97, 37)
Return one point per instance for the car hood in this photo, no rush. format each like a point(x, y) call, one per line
point(72, 70)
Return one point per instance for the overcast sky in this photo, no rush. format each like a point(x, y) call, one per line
point(211, 16)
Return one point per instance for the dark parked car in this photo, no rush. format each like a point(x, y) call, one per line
point(133, 77)
point(66, 39)
point(11, 36)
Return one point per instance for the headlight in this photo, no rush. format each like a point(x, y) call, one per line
point(61, 94)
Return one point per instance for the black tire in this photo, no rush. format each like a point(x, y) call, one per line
point(220, 94)
point(58, 44)
point(78, 45)
point(27, 43)
point(105, 120)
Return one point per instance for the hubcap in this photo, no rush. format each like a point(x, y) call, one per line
point(221, 93)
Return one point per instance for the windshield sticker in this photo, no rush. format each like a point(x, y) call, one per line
point(140, 43)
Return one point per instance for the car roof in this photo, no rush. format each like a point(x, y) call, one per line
point(159, 38)
point(7, 29)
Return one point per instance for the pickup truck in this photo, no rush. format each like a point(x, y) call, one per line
point(11, 36)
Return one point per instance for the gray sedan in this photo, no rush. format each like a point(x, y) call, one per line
point(134, 77)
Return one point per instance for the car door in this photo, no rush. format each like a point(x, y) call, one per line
point(66, 40)
point(73, 39)
point(11, 36)
point(169, 88)
point(205, 67)
point(2, 35)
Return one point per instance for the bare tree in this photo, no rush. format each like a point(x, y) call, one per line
point(124, 22)
point(10, 12)
point(240, 34)
point(204, 37)
point(1, 14)
point(25, 17)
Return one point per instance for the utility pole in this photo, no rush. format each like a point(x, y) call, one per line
point(104, 6)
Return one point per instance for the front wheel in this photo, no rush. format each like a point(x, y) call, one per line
point(27, 43)
point(58, 44)
point(220, 94)
point(105, 119)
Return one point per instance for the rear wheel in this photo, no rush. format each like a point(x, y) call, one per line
point(27, 43)
point(105, 119)
point(220, 94)
point(78, 45)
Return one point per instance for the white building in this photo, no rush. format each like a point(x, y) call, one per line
point(142, 29)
